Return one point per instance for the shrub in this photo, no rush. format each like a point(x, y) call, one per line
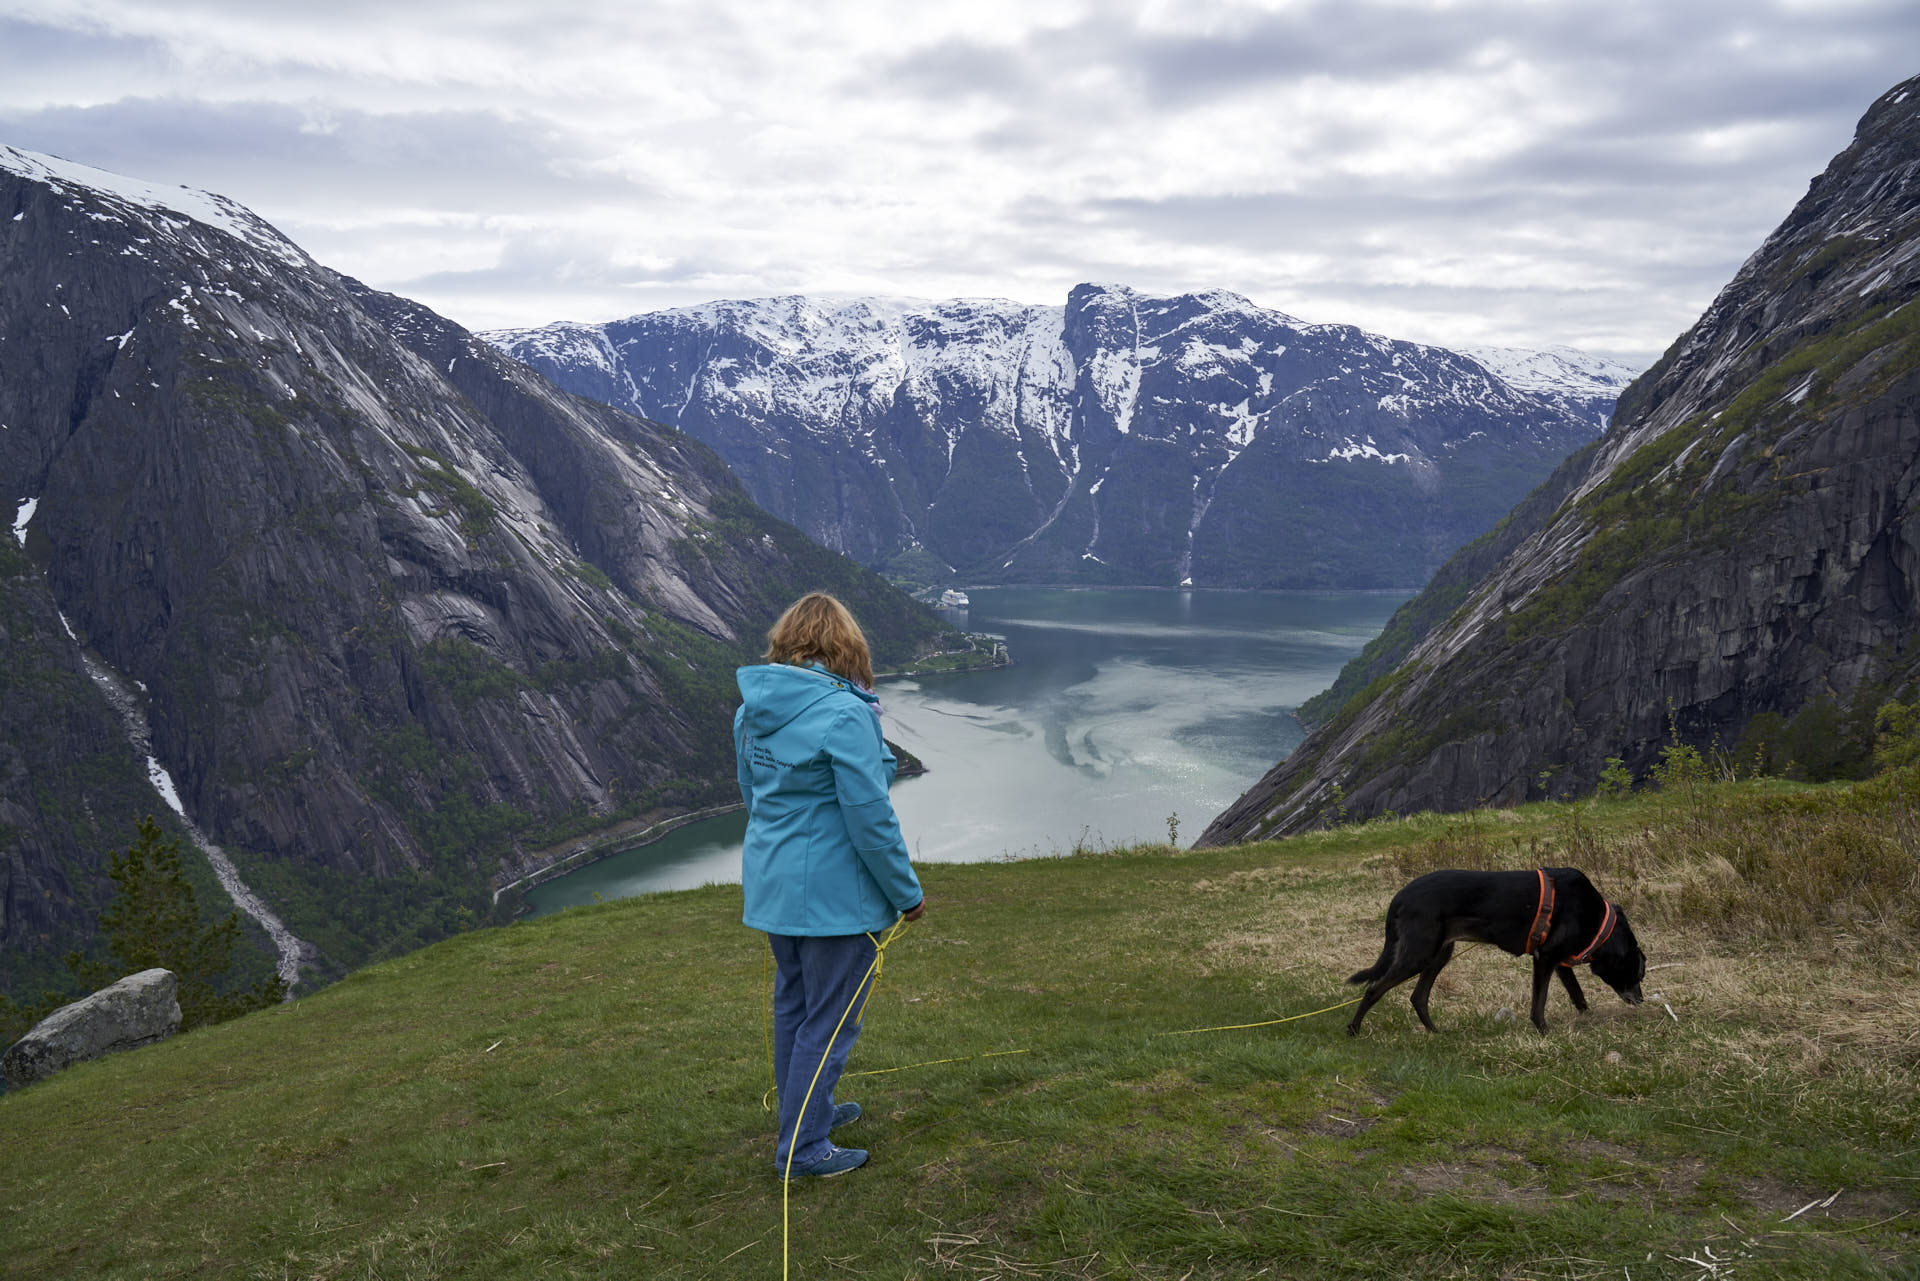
point(1761, 748)
point(1821, 745)
point(1616, 780)
point(1681, 769)
point(1897, 741)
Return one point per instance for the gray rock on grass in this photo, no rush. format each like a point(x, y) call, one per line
point(138, 1010)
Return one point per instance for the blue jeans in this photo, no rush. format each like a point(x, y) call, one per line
point(815, 981)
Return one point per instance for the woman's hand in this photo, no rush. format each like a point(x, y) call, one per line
point(915, 912)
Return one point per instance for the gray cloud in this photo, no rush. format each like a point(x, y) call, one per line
point(323, 158)
point(955, 69)
point(1694, 52)
point(1589, 171)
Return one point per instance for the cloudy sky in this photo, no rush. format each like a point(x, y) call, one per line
point(1451, 171)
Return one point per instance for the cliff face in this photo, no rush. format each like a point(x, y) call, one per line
point(1745, 541)
point(395, 608)
point(1120, 438)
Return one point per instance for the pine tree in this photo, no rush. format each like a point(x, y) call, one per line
point(154, 920)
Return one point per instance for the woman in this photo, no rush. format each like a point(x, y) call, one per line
point(824, 868)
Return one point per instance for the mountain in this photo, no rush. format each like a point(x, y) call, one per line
point(1735, 565)
point(382, 610)
point(1120, 438)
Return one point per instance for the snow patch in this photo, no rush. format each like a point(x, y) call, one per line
point(1200, 359)
point(1243, 423)
point(28, 506)
point(163, 784)
point(147, 200)
point(1116, 381)
point(1367, 449)
point(1553, 371)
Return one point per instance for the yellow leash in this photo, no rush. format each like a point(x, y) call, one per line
point(860, 995)
point(996, 1054)
point(1235, 1027)
point(873, 972)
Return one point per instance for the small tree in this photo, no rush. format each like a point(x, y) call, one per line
point(1898, 741)
point(1761, 748)
point(1616, 780)
point(1681, 769)
point(154, 920)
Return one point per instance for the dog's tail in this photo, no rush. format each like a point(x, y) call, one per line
point(1379, 967)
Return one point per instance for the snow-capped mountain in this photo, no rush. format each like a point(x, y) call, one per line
point(1577, 379)
point(376, 608)
point(1122, 437)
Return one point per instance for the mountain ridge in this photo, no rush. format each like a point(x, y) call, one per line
point(1743, 544)
point(1121, 437)
point(396, 609)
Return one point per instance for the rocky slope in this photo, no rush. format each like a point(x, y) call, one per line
point(396, 609)
point(1743, 545)
point(1120, 438)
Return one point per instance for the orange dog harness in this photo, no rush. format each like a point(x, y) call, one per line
point(1542, 914)
point(1543, 921)
point(1607, 921)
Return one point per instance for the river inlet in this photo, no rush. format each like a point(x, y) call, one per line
point(1124, 708)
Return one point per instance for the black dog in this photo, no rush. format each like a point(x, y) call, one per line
point(1552, 914)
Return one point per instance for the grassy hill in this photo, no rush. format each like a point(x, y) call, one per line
point(581, 1095)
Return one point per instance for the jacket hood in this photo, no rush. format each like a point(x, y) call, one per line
point(774, 693)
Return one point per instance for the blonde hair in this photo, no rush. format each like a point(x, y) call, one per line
point(818, 629)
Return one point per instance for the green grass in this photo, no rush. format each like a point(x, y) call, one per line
point(964, 652)
point(581, 1095)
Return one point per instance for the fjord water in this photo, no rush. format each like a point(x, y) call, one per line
point(1122, 708)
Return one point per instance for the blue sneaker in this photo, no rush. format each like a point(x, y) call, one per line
point(836, 1161)
point(844, 1114)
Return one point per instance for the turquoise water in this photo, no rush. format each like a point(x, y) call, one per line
point(1123, 708)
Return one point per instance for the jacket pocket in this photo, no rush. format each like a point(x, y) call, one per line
point(873, 903)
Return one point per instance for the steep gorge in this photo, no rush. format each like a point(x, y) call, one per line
point(1121, 438)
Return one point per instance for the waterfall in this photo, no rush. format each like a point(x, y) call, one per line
point(293, 951)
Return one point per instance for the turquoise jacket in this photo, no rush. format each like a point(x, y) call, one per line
point(823, 853)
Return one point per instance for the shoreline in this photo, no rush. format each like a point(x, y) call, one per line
point(1002, 657)
point(1414, 590)
point(608, 843)
point(623, 837)
point(1155, 587)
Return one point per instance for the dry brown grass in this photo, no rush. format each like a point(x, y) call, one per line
point(1790, 923)
point(1803, 868)
point(1316, 927)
